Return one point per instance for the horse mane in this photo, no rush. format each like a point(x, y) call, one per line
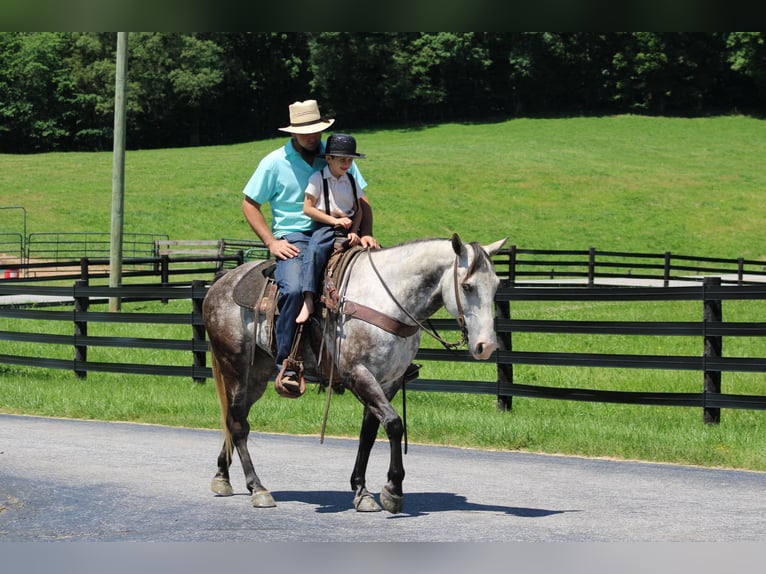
point(480, 258)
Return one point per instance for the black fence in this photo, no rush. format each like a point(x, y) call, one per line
point(70, 256)
point(522, 280)
point(710, 330)
point(80, 297)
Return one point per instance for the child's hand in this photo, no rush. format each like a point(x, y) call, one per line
point(353, 239)
point(343, 222)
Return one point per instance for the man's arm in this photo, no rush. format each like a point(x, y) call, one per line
point(278, 247)
point(365, 231)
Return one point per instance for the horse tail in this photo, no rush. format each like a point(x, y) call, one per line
point(223, 397)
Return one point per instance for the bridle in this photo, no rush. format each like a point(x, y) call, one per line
point(432, 332)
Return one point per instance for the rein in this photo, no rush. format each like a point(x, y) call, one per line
point(431, 332)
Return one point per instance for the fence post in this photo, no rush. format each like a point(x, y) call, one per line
point(81, 305)
point(84, 274)
point(666, 270)
point(591, 266)
point(512, 265)
point(164, 273)
point(197, 296)
point(504, 343)
point(713, 346)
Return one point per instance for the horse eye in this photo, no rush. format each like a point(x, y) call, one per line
point(467, 287)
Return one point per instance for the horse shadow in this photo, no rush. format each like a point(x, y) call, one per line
point(415, 503)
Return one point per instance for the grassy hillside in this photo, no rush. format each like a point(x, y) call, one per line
point(691, 186)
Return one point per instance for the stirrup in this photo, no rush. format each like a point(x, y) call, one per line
point(290, 382)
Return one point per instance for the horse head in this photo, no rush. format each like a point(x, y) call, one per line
point(471, 295)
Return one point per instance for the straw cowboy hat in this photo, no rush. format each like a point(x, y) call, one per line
point(306, 119)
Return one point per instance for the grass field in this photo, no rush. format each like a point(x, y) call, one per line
point(690, 186)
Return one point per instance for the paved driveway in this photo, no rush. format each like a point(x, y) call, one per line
point(69, 480)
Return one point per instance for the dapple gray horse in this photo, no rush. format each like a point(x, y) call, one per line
point(384, 297)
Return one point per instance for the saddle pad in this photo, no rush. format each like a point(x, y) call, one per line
point(246, 292)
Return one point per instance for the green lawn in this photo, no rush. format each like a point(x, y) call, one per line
point(690, 186)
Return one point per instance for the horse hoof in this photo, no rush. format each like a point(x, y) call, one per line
point(366, 503)
point(390, 501)
point(263, 499)
point(221, 486)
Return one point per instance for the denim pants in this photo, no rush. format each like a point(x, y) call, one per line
point(316, 257)
point(288, 278)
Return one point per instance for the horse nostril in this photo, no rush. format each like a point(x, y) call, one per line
point(484, 349)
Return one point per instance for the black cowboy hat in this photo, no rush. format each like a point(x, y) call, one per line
point(341, 145)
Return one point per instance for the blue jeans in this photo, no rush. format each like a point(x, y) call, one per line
point(288, 278)
point(316, 257)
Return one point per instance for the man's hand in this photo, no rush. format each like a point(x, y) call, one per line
point(282, 249)
point(369, 241)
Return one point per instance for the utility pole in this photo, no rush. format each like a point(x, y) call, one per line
point(118, 167)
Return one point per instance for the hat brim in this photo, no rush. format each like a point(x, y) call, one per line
point(354, 155)
point(313, 128)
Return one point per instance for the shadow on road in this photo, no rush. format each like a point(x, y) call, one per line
point(415, 503)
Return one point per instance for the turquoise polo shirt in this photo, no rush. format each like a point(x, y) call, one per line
point(280, 180)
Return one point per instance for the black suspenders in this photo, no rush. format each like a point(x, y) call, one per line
point(327, 194)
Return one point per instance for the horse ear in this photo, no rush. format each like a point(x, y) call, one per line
point(493, 248)
point(457, 244)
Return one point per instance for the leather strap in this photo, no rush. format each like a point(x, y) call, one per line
point(369, 315)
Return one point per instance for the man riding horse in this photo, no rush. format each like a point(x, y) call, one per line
point(280, 180)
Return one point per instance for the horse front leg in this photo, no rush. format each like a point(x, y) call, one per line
point(363, 500)
point(391, 495)
point(378, 410)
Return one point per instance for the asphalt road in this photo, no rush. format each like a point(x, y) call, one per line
point(69, 480)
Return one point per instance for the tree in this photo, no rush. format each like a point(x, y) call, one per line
point(449, 74)
point(357, 75)
point(57, 88)
point(195, 79)
point(91, 62)
point(37, 90)
point(747, 56)
point(264, 73)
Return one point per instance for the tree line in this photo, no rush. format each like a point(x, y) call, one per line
point(57, 88)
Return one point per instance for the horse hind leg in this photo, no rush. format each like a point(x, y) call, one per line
point(247, 394)
point(260, 495)
point(237, 429)
point(221, 483)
